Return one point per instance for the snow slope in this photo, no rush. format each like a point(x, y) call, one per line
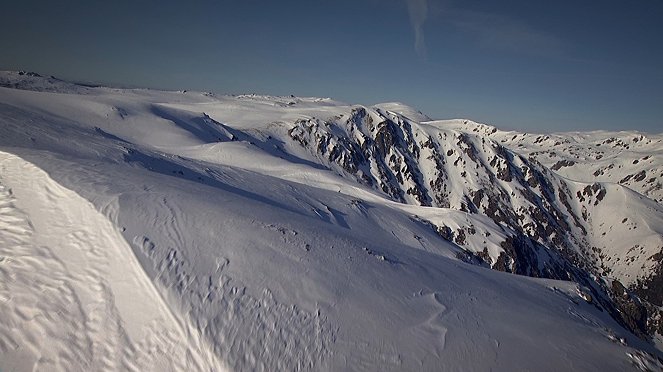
point(73, 296)
point(148, 229)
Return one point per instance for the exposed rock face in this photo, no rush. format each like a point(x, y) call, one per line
point(632, 311)
point(449, 169)
point(379, 151)
point(547, 222)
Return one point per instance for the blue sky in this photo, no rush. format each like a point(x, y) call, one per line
point(537, 66)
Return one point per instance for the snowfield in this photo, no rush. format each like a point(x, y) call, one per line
point(73, 294)
point(148, 230)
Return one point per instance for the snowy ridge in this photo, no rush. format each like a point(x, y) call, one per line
point(73, 295)
point(431, 165)
point(629, 158)
point(271, 251)
point(32, 81)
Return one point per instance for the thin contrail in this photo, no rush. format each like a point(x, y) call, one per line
point(418, 10)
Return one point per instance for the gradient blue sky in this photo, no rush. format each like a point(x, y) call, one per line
point(531, 65)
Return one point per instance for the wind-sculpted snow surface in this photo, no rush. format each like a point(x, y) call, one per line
point(186, 231)
point(73, 297)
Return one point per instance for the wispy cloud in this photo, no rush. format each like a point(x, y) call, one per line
point(418, 10)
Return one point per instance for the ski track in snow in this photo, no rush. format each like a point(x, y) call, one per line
point(72, 296)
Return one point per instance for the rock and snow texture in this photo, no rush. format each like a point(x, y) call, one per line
point(154, 230)
point(631, 159)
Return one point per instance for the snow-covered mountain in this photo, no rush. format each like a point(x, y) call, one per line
point(629, 158)
point(142, 229)
point(550, 225)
